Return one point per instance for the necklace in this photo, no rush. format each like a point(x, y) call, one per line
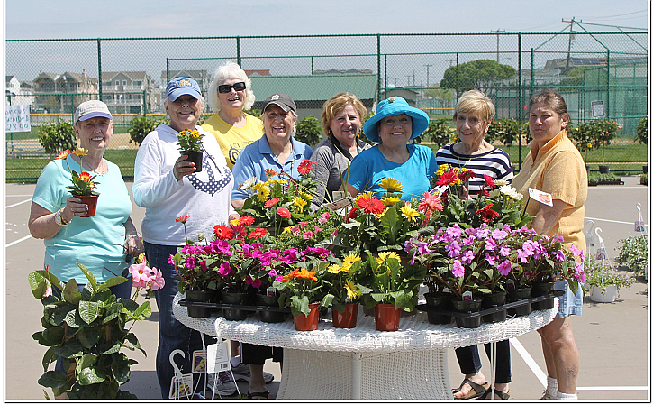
point(101, 169)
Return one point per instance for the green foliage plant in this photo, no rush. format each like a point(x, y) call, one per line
point(633, 253)
point(142, 125)
point(57, 137)
point(88, 330)
point(601, 274)
point(593, 134)
point(643, 179)
point(642, 131)
point(309, 131)
point(438, 132)
point(506, 130)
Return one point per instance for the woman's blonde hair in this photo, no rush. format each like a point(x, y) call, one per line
point(226, 71)
point(336, 104)
point(475, 101)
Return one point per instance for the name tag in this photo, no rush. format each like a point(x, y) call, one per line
point(541, 196)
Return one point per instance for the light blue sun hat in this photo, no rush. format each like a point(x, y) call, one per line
point(395, 106)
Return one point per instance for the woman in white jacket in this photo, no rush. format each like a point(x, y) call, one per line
point(168, 187)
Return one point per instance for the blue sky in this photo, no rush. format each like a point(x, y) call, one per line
point(36, 19)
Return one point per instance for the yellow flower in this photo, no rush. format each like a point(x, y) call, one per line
point(589, 144)
point(352, 258)
point(409, 212)
point(263, 193)
point(286, 230)
point(80, 152)
point(353, 291)
point(379, 216)
point(334, 268)
point(387, 255)
point(444, 167)
point(390, 201)
point(306, 196)
point(366, 194)
point(235, 222)
point(391, 185)
point(300, 203)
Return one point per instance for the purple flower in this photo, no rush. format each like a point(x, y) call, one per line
point(458, 269)
point(468, 256)
point(580, 273)
point(470, 240)
point(491, 259)
point(490, 244)
point(272, 273)
point(482, 232)
point(203, 265)
point(454, 231)
point(559, 255)
point(522, 255)
point(504, 251)
point(453, 249)
point(504, 268)
point(498, 234)
point(190, 262)
point(225, 269)
point(223, 246)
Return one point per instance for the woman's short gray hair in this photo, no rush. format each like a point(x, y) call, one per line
point(226, 71)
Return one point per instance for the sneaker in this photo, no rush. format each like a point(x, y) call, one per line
point(224, 385)
point(547, 397)
point(241, 373)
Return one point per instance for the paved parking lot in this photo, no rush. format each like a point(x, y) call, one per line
point(613, 339)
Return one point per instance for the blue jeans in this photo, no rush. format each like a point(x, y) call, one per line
point(470, 363)
point(172, 333)
point(122, 290)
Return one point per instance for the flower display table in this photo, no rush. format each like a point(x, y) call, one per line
point(363, 363)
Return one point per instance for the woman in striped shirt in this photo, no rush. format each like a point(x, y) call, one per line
point(473, 115)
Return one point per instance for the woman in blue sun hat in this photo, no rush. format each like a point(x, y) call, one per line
point(393, 125)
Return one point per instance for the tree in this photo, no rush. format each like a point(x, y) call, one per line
point(436, 92)
point(142, 125)
point(476, 74)
point(309, 131)
point(57, 137)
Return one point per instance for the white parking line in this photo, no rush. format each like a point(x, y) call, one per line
point(18, 195)
point(634, 388)
point(17, 204)
point(18, 241)
point(610, 220)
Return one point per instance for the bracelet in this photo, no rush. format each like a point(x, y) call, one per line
point(59, 220)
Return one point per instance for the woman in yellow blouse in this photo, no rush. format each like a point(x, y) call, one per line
point(555, 166)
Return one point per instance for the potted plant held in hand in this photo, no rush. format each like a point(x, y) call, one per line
point(190, 143)
point(84, 184)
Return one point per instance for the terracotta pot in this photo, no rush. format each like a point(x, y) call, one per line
point(387, 317)
point(347, 318)
point(91, 203)
point(194, 157)
point(303, 322)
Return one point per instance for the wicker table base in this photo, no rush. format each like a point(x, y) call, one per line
point(363, 363)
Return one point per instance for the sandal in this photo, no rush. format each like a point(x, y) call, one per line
point(477, 390)
point(258, 395)
point(502, 395)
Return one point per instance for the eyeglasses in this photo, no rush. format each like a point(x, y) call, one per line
point(226, 88)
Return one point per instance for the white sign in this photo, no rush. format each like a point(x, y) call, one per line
point(218, 358)
point(541, 196)
point(17, 118)
point(597, 108)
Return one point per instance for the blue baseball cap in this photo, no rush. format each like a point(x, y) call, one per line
point(395, 106)
point(182, 85)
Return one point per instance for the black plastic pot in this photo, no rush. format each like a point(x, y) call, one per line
point(539, 289)
point(199, 296)
point(234, 298)
point(196, 157)
point(494, 300)
point(520, 294)
point(466, 313)
point(645, 169)
point(436, 304)
point(604, 169)
point(272, 315)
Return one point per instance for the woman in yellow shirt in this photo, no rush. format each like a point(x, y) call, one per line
point(555, 166)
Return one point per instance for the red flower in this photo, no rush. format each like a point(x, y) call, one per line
point(85, 177)
point(271, 202)
point(270, 172)
point(485, 192)
point(258, 233)
point(222, 232)
point(487, 213)
point(430, 202)
point(305, 166)
point(489, 181)
point(371, 205)
point(446, 179)
point(466, 175)
point(182, 218)
point(283, 212)
point(353, 213)
point(62, 155)
point(246, 220)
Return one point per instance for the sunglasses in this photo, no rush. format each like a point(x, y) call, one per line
point(226, 88)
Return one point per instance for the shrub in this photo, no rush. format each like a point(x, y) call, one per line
point(600, 274)
point(143, 125)
point(438, 132)
point(642, 131)
point(309, 131)
point(633, 253)
point(592, 134)
point(506, 130)
point(57, 137)
point(643, 179)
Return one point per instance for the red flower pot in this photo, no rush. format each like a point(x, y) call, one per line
point(303, 322)
point(91, 203)
point(347, 318)
point(387, 317)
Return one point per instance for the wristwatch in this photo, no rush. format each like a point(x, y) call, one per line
point(58, 219)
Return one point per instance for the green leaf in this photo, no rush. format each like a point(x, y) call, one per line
point(48, 358)
point(38, 285)
point(71, 293)
point(61, 313)
point(88, 337)
point(53, 379)
point(53, 336)
point(143, 312)
point(111, 282)
point(88, 311)
point(88, 376)
point(71, 348)
point(113, 349)
point(89, 276)
point(299, 305)
point(120, 368)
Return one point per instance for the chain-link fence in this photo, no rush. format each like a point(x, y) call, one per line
point(609, 69)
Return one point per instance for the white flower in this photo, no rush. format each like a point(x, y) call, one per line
point(510, 192)
point(495, 193)
point(248, 183)
point(500, 182)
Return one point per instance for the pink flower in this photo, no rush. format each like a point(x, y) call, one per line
point(458, 269)
point(48, 291)
point(498, 234)
point(307, 235)
point(225, 269)
point(140, 272)
point(504, 268)
point(580, 273)
point(158, 282)
point(324, 217)
point(317, 228)
point(171, 260)
point(190, 262)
